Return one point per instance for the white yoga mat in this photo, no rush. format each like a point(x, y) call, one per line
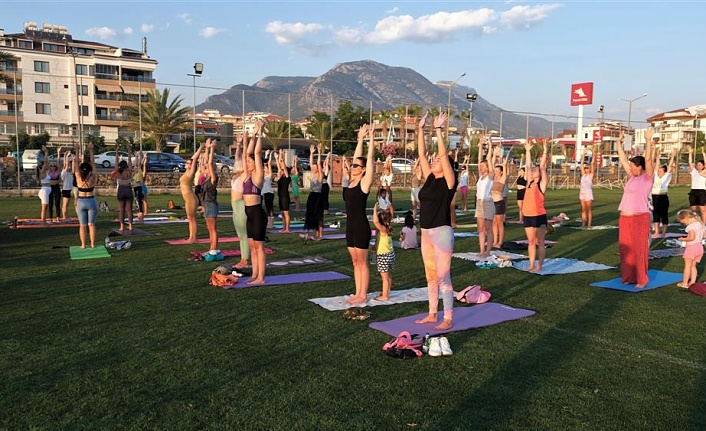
point(497, 253)
point(562, 266)
point(338, 303)
point(465, 234)
point(599, 227)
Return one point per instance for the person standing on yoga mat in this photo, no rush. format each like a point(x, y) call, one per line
point(521, 182)
point(123, 176)
point(209, 200)
point(697, 194)
point(67, 183)
point(660, 199)
point(362, 175)
point(283, 181)
point(435, 220)
point(634, 223)
point(497, 193)
point(186, 184)
point(55, 194)
point(86, 205)
point(534, 215)
point(314, 217)
point(257, 218)
point(485, 209)
point(240, 220)
point(268, 193)
point(296, 184)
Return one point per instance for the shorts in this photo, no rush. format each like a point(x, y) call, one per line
point(66, 194)
point(521, 194)
point(694, 252)
point(256, 224)
point(44, 194)
point(586, 196)
point(485, 209)
point(386, 262)
point(125, 193)
point(144, 190)
point(210, 209)
point(697, 197)
point(86, 210)
point(463, 190)
point(535, 221)
point(500, 207)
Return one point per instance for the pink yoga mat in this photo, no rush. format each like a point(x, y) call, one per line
point(226, 253)
point(476, 316)
point(524, 241)
point(202, 240)
point(303, 277)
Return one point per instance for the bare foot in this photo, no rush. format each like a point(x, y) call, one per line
point(531, 268)
point(683, 285)
point(536, 268)
point(284, 231)
point(357, 300)
point(382, 298)
point(83, 245)
point(446, 324)
point(640, 286)
point(190, 241)
point(431, 318)
point(256, 281)
point(242, 264)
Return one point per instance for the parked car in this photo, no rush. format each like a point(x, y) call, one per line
point(164, 162)
point(303, 164)
point(400, 166)
point(32, 159)
point(107, 159)
point(223, 163)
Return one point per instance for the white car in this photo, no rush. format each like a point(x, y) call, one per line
point(400, 166)
point(107, 159)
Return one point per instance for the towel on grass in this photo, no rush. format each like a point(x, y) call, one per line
point(337, 303)
point(562, 266)
point(505, 255)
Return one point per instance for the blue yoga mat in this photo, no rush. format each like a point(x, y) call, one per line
point(476, 316)
point(657, 279)
point(302, 277)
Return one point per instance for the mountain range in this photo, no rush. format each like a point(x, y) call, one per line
point(368, 82)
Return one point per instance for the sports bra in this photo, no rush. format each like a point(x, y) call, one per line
point(88, 190)
point(249, 188)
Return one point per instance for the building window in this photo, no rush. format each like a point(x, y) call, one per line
point(52, 47)
point(64, 129)
point(81, 69)
point(82, 90)
point(66, 106)
point(41, 87)
point(41, 66)
point(84, 110)
point(26, 44)
point(43, 108)
point(39, 128)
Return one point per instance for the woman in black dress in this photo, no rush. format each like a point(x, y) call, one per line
point(362, 172)
point(283, 181)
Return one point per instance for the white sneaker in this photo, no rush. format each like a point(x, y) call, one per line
point(435, 347)
point(445, 346)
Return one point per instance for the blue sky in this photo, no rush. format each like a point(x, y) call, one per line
point(520, 56)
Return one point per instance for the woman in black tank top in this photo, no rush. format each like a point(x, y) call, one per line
point(355, 195)
point(435, 219)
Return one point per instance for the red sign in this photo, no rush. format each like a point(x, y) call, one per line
point(598, 136)
point(582, 94)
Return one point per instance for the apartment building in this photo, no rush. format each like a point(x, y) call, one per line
point(69, 88)
point(678, 127)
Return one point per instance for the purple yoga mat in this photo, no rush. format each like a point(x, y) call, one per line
point(476, 316)
point(202, 240)
point(302, 277)
point(310, 232)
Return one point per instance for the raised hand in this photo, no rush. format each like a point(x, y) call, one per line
point(441, 120)
point(423, 121)
point(363, 131)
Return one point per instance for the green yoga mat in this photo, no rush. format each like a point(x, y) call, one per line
point(78, 253)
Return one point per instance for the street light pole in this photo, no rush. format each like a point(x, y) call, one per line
point(448, 105)
point(198, 70)
point(630, 108)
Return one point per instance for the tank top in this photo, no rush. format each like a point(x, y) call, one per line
point(356, 202)
point(137, 177)
point(463, 180)
point(586, 184)
point(660, 186)
point(267, 184)
point(496, 191)
point(315, 186)
point(521, 182)
point(283, 185)
point(384, 244)
point(534, 200)
point(236, 184)
point(434, 203)
point(483, 186)
point(45, 181)
point(209, 192)
point(416, 182)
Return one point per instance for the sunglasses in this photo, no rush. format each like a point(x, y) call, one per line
point(356, 165)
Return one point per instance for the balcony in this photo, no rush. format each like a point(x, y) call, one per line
point(10, 91)
point(111, 117)
point(10, 113)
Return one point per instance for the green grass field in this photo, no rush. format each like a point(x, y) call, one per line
point(141, 341)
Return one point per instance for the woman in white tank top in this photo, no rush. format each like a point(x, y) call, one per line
point(586, 195)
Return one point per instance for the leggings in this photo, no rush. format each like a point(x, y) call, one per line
point(55, 201)
point(437, 248)
point(660, 213)
point(86, 210)
point(240, 221)
point(634, 246)
point(140, 197)
point(269, 203)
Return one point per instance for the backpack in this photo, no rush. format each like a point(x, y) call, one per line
point(698, 289)
point(405, 346)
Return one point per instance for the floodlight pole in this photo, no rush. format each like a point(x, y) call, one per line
point(198, 70)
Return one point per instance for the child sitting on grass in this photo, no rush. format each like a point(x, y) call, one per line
point(385, 252)
point(408, 235)
point(694, 249)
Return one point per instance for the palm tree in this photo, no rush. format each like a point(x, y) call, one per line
point(276, 131)
point(321, 132)
point(384, 117)
point(160, 117)
point(434, 112)
point(5, 58)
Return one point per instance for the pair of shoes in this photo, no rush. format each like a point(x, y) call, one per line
point(219, 256)
point(208, 257)
point(439, 346)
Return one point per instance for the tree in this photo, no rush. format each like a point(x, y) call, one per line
point(321, 132)
point(160, 117)
point(277, 131)
point(346, 124)
point(5, 58)
point(30, 142)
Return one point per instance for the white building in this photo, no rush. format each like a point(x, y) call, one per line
point(69, 88)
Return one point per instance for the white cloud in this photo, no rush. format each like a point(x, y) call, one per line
point(146, 28)
point(102, 32)
point(211, 31)
point(128, 30)
point(393, 10)
point(525, 17)
point(185, 17)
point(292, 33)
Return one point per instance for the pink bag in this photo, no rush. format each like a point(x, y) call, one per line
point(473, 295)
point(698, 289)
